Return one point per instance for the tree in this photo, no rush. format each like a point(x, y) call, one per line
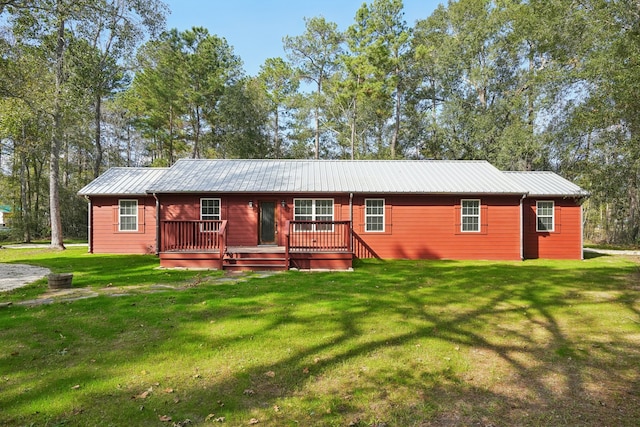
point(315, 53)
point(178, 87)
point(597, 133)
point(111, 32)
point(242, 121)
point(280, 83)
point(51, 25)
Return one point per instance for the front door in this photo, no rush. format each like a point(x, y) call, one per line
point(267, 223)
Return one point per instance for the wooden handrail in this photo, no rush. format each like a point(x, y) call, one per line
point(190, 235)
point(222, 241)
point(287, 244)
point(319, 236)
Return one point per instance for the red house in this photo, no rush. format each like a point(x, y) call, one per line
point(258, 214)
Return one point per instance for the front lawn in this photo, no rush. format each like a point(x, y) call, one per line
point(401, 343)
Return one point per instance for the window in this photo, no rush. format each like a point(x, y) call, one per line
point(544, 212)
point(313, 210)
point(374, 215)
point(128, 215)
point(209, 211)
point(470, 219)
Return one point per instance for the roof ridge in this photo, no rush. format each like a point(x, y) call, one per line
point(339, 160)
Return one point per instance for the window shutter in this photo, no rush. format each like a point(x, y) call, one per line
point(116, 217)
point(558, 219)
point(387, 217)
point(358, 217)
point(532, 216)
point(141, 211)
point(457, 218)
point(484, 219)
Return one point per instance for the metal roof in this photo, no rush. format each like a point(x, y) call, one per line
point(330, 176)
point(334, 176)
point(123, 181)
point(546, 184)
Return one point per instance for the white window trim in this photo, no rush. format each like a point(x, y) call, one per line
point(552, 216)
point(462, 216)
point(314, 213)
point(366, 215)
point(209, 227)
point(219, 208)
point(121, 215)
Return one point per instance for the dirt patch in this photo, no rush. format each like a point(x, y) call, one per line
point(13, 276)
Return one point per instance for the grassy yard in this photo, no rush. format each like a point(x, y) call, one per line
point(402, 343)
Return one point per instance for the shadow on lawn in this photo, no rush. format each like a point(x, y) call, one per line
point(502, 316)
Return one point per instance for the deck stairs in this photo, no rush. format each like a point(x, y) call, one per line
point(256, 258)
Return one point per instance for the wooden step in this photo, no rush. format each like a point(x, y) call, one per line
point(254, 261)
point(255, 267)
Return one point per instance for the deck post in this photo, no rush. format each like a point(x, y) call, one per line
point(287, 243)
point(222, 242)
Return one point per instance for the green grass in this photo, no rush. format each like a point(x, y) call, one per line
point(94, 271)
point(396, 343)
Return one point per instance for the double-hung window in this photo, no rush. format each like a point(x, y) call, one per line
point(544, 214)
point(313, 210)
point(470, 216)
point(128, 215)
point(374, 215)
point(209, 211)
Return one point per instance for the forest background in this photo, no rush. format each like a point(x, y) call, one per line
point(525, 84)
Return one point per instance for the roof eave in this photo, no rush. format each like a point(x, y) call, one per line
point(113, 194)
point(417, 193)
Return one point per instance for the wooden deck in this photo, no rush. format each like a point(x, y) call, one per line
point(309, 245)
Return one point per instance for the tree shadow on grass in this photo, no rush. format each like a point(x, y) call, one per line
point(526, 343)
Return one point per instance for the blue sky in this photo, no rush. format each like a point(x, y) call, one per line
point(255, 28)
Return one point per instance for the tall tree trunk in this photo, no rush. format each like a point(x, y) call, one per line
point(353, 127)
point(276, 134)
point(170, 135)
point(24, 199)
point(317, 120)
point(396, 126)
point(54, 160)
point(196, 135)
point(98, 136)
point(317, 144)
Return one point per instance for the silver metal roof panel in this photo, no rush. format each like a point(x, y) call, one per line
point(335, 176)
point(123, 181)
point(547, 184)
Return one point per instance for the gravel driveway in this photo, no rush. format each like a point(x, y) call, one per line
point(13, 276)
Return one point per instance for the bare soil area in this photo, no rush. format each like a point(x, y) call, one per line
point(13, 276)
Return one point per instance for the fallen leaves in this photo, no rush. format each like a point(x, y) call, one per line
point(144, 394)
point(213, 418)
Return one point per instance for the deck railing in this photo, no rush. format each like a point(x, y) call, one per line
point(193, 235)
point(318, 236)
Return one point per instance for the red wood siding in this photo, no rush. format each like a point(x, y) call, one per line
point(415, 226)
point(242, 229)
point(429, 227)
point(565, 242)
point(106, 237)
